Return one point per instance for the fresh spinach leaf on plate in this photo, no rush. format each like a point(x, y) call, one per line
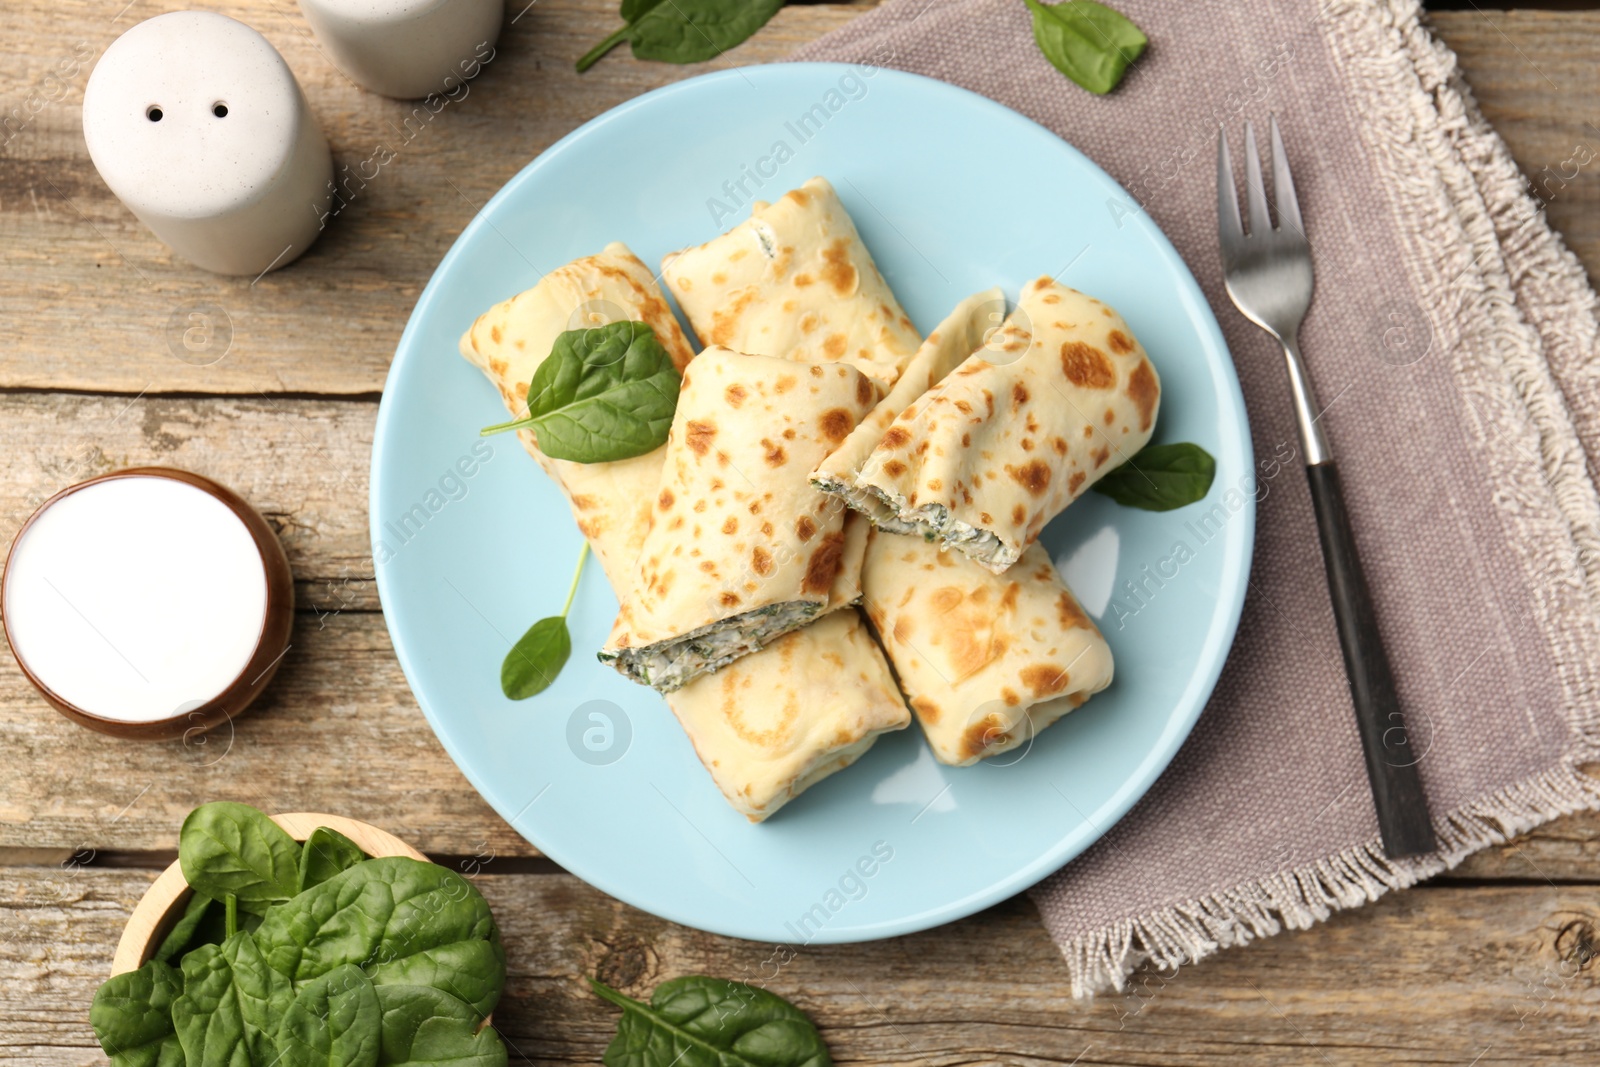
point(325, 853)
point(132, 1017)
point(603, 394)
point(405, 922)
point(233, 848)
point(683, 31)
point(263, 994)
point(428, 1027)
point(1161, 477)
point(1087, 41)
point(538, 656)
point(711, 1022)
point(334, 1019)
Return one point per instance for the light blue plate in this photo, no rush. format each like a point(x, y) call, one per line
point(952, 193)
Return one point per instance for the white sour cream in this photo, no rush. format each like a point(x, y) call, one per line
point(136, 598)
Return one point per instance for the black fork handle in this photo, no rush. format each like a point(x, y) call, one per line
point(1391, 759)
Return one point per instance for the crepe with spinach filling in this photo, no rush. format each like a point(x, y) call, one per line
point(742, 548)
point(1019, 430)
point(771, 724)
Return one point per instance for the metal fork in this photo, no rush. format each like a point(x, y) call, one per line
point(1268, 275)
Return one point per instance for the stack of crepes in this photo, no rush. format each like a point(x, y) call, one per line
point(739, 549)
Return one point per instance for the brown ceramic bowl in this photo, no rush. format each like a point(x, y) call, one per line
point(270, 646)
point(163, 903)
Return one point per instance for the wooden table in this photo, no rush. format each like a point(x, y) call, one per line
point(1491, 964)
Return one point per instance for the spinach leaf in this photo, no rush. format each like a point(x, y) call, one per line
point(1088, 42)
point(538, 656)
point(326, 853)
point(711, 1022)
point(207, 1017)
point(189, 931)
point(684, 31)
point(1161, 477)
point(333, 1022)
point(132, 1017)
point(425, 1026)
point(603, 394)
point(233, 848)
point(401, 920)
point(263, 994)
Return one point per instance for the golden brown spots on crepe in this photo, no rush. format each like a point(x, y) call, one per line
point(725, 320)
point(985, 518)
point(935, 484)
point(865, 392)
point(836, 424)
point(1019, 395)
point(735, 256)
point(1087, 366)
point(766, 529)
point(988, 731)
point(1008, 599)
point(730, 525)
point(728, 600)
point(1058, 445)
point(1143, 391)
point(494, 333)
point(963, 407)
point(1019, 515)
point(499, 367)
point(784, 384)
point(809, 322)
point(988, 400)
point(926, 710)
point(1051, 298)
point(734, 395)
point(799, 196)
point(837, 270)
point(666, 500)
point(833, 347)
point(805, 527)
point(966, 440)
point(698, 435)
point(700, 506)
point(1043, 679)
point(773, 453)
point(824, 564)
point(755, 507)
point(1119, 342)
point(789, 434)
point(1027, 444)
point(761, 561)
point(903, 628)
point(719, 278)
point(1070, 615)
point(791, 306)
point(1034, 476)
point(1100, 456)
point(1075, 482)
point(709, 567)
point(803, 280)
point(894, 468)
point(895, 437)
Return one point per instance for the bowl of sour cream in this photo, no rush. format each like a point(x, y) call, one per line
point(148, 603)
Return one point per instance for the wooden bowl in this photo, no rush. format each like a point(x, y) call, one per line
point(270, 645)
point(163, 903)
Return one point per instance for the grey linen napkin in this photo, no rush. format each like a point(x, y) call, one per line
point(1453, 341)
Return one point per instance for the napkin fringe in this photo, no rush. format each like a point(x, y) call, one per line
point(1184, 934)
point(1470, 200)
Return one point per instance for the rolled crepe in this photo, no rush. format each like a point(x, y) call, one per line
point(1019, 430)
point(759, 755)
point(795, 281)
point(742, 548)
point(961, 333)
point(987, 660)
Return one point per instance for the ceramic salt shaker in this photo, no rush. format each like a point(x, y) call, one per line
point(199, 127)
point(407, 49)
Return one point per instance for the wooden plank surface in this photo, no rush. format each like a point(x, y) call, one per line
point(1492, 964)
point(986, 990)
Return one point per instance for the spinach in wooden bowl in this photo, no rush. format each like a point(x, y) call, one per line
point(291, 955)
